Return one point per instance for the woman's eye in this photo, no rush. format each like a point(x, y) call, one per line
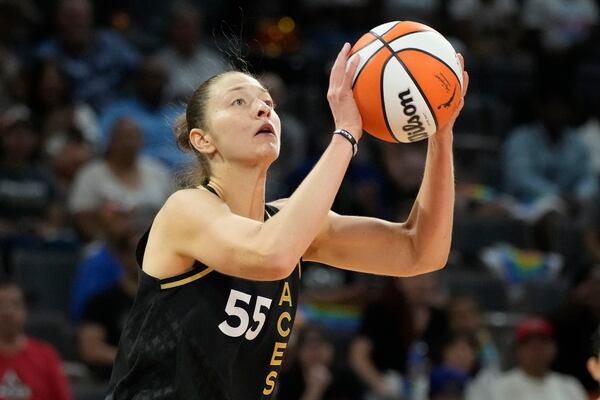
point(270, 103)
point(238, 102)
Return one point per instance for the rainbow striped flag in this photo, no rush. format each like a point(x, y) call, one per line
point(517, 265)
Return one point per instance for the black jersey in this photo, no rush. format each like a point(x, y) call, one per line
point(204, 335)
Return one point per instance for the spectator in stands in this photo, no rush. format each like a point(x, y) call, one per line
point(464, 317)
point(122, 176)
point(312, 374)
point(150, 110)
point(106, 312)
point(404, 167)
point(97, 61)
point(405, 317)
point(187, 60)
point(575, 323)
point(106, 264)
point(593, 363)
point(532, 379)
point(547, 158)
point(69, 129)
point(29, 205)
point(490, 27)
point(449, 379)
point(560, 24)
point(29, 369)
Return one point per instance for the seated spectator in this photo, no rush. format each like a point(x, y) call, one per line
point(187, 60)
point(122, 176)
point(106, 312)
point(96, 61)
point(312, 375)
point(69, 128)
point(464, 317)
point(29, 369)
point(489, 26)
point(459, 358)
point(107, 262)
point(404, 320)
point(560, 24)
point(548, 169)
point(149, 109)
point(593, 363)
point(29, 206)
point(575, 323)
point(532, 378)
point(546, 158)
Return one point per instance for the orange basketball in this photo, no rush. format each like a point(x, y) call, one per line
point(408, 81)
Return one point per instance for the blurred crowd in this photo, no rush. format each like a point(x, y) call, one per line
point(89, 91)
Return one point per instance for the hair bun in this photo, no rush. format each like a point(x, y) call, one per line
point(182, 133)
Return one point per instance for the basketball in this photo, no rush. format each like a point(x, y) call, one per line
point(408, 82)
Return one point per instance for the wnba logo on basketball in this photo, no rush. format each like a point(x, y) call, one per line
point(414, 126)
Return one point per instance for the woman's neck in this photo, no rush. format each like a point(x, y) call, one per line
point(243, 189)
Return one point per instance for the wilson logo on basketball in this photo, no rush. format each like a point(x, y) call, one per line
point(414, 126)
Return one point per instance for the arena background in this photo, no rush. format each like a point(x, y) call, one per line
point(82, 85)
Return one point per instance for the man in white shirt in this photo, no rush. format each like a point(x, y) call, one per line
point(532, 379)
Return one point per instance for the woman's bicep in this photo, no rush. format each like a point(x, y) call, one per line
point(364, 244)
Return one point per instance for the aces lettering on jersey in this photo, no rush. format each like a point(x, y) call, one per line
point(283, 329)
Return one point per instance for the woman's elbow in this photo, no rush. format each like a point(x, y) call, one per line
point(427, 262)
point(274, 266)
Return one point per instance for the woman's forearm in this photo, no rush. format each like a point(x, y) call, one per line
point(432, 215)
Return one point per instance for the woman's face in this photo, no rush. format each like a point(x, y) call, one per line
point(241, 121)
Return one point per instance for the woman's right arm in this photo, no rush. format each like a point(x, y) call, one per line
point(202, 227)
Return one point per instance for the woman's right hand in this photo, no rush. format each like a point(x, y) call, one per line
point(341, 99)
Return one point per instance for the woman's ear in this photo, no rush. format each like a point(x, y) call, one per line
point(202, 141)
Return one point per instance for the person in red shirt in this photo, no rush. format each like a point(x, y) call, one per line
point(29, 369)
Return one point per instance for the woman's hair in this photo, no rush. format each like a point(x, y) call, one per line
point(195, 117)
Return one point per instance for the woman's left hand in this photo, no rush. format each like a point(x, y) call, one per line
point(447, 129)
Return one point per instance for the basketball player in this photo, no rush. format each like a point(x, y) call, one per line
point(220, 270)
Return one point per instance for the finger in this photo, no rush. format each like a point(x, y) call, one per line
point(350, 71)
point(337, 71)
point(465, 83)
point(461, 59)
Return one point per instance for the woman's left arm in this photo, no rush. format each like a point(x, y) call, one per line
point(421, 244)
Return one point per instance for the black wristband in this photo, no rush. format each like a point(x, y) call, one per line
point(349, 138)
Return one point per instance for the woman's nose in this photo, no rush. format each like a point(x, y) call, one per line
point(263, 109)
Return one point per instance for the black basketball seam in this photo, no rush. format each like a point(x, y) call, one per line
point(366, 62)
point(436, 57)
point(410, 75)
point(366, 45)
point(378, 50)
point(392, 27)
point(375, 37)
point(387, 124)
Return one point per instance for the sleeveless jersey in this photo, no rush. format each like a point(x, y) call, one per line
point(203, 335)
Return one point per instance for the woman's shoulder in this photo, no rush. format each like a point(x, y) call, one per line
point(190, 203)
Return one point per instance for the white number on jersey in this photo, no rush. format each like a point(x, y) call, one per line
point(233, 309)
